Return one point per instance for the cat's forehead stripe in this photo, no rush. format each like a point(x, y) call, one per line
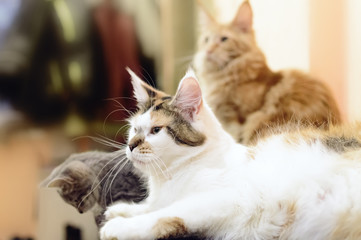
point(176, 126)
point(153, 102)
point(159, 112)
point(160, 119)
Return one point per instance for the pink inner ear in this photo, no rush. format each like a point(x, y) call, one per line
point(189, 97)
point(244, 18)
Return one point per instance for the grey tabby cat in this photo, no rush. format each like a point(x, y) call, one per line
point(93, 180)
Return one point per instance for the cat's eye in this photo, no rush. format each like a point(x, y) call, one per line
point(155, 130)
point(206, 39)
point(224, 38)
point(135, 130)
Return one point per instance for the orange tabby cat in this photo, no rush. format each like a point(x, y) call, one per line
point(245, 94)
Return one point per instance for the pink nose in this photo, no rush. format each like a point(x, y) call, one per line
point(134, 144)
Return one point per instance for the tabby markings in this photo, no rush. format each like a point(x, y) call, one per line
point(164, 114)
point(341, 144)
point(169, 227)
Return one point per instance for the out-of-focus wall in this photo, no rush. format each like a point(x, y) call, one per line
point(178, 40)
point(20, 160)
point(353, 69)
point(328, 47)
point(281, 28)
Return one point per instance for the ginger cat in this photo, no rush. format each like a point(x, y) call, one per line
point(245, 94)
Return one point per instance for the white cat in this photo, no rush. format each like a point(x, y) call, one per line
point(304, 185)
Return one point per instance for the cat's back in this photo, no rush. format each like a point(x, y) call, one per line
point(299, 185)
point(297, 99)
point(303, 93)
point(303, 153)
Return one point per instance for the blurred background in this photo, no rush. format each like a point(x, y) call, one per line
point(63, 78)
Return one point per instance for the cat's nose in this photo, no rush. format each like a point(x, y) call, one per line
point(134, 143)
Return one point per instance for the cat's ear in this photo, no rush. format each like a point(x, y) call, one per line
point(244, 17)
point(64, 184)
point(189, 96)
point(204, 17)
point(142, 91)
point(70, 176)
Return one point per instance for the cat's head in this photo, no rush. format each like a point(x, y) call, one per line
point(167, 129)
point(221, 45)
point(75, 183)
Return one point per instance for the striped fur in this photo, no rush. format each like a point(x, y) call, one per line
point(166, 115)
point(245, 94)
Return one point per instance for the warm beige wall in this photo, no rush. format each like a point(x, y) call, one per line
point(281, 28)
point(336, 51)
point(20, 161)
point(353, 46)
point(328, 46)
point(54, 214)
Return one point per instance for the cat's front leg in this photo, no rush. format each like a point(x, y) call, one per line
point(147, 226)
point(187, 216)
point(120, 228)
point(125, 210)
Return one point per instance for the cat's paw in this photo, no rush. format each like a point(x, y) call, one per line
point(127, 229)
point(123, 210)
point(115, 211)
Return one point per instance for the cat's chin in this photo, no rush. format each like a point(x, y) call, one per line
point(139, 163)
point(211, 62)
point(212, 65)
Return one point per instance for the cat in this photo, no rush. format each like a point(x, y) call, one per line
point(245, 94)
point(292, 185)
point(93, 180)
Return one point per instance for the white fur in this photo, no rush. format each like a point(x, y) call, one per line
point(217, 189)
point(139, 92)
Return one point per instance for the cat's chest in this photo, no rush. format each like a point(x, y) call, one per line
point(187, 185)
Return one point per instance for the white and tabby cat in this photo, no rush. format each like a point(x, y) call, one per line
point(302, 185)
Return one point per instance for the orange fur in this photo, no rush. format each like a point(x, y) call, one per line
point(169, 227)
point(348, 226)
point(246, 96)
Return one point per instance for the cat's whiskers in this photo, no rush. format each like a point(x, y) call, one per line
point(112, 143)
point(108, 116)
point(98, 184)
point(166, 174)
point(103, 140)
point(101, 170)
point(122, 107)
point(121, 129)
point(155, 170)
point(161, 161)
point(157, 159)
point(112, 181)
point(148, 168)
point(108, 183)
point(184, 59)
point(147, 77)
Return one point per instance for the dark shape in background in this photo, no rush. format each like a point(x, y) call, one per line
point(62, 57)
